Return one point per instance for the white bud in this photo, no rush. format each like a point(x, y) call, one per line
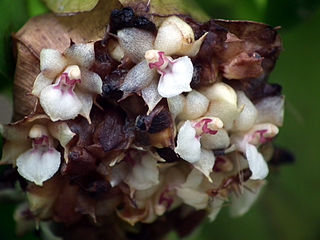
point(248, 115)
point(220, 140)
point(176, 37)
point(196, 105)
point(223, 103)
point(115, 50)
point(176, 104)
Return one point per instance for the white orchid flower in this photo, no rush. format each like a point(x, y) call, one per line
point(248, 142)
point(30, 145)
point(189, 145)
point(175, 37)
point(176, 75)
point(65, 86)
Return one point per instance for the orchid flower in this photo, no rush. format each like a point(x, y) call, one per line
point(175, 37)
point(65, 87)
point(42, 161)
point(189, 143)
point(175, 74)
point(247, 142)
point(138, 170)
point(31, 146)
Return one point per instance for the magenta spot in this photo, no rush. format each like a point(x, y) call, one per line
point(263, 139)
point(165, 199)
point(205, 129)
point(218, 164)
point(41, 140)
point(160, 61)
point(66, 84)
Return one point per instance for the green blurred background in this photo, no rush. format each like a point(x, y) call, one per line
point(289, 207)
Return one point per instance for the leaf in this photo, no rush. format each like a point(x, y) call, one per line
point(36, 7)
point(11, 19)
point(296, 12)
point(71, 6)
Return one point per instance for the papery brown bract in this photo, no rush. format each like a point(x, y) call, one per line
point(226, 41)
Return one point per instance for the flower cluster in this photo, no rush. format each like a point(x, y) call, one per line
point(168, 116)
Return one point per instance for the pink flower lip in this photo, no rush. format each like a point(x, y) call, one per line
point(205, 129)
point(67, 84)
point(164, 198)
point(159, 63)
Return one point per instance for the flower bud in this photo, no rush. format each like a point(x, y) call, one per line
point(135, 42)
point(196, 105)
point(115, 50)
point(247, 116)
point(220, 140)
point(223, 103)
point(176, 37)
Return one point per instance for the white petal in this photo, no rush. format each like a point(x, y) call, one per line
point(257, 164)
point(61, 132)
point(271, 109)
point(220, 140)
point(52, 62)
point(37, 166)
point(151, 96)
point(139, 77)
point(241, 204)
point(194, 48)
point(40, 83)
point(135, 42)
point(58, 105)
point(194, 198)
point(215, 207)
point(206, 163)
point(90, 82)
point(188, 146)
point(144, 174)
point(86, 100)
point(178, 80)
point(81, 54)
point(193, 180)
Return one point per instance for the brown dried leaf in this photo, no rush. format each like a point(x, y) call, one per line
point(42, 199)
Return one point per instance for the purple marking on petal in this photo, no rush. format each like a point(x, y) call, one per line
point(166, 199)
point(205, 129)
point(66, 85)
point(263, 139)
point(41, 140)
point(160, 61)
